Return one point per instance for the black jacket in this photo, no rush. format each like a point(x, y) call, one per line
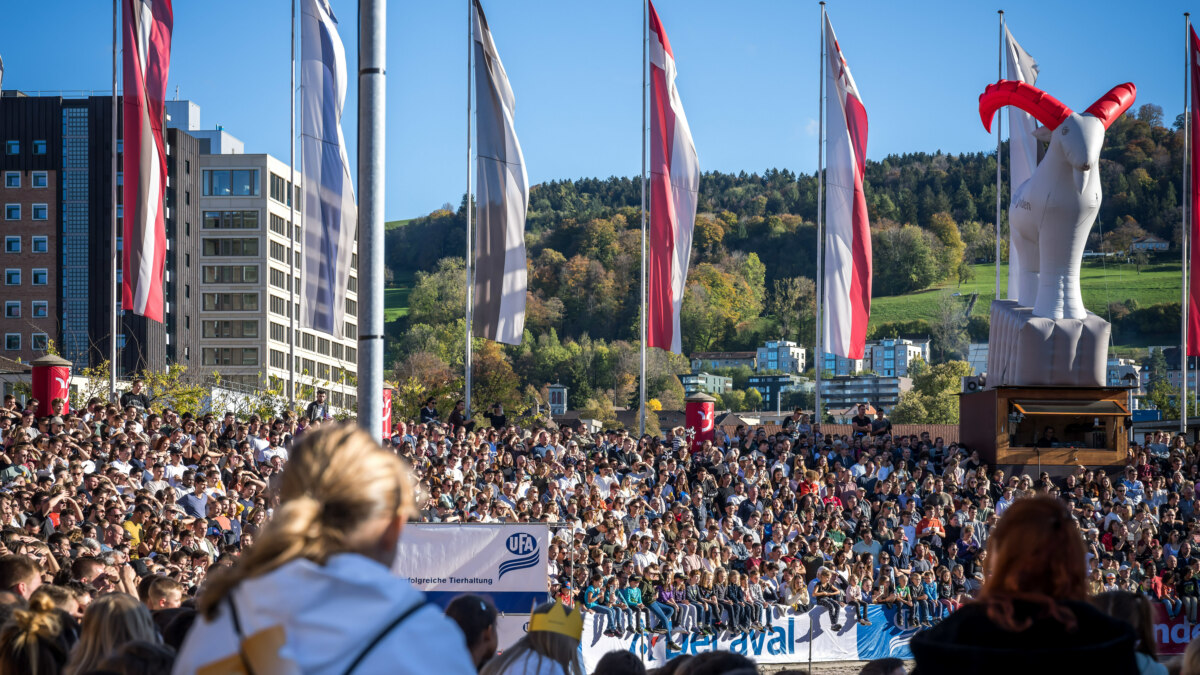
point(968, 642)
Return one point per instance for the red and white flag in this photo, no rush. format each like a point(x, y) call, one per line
point(1193, 314)
point(847, 232)
point(674, 187)
point(148, 26)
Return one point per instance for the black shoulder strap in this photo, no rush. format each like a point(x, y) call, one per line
point(382, 634)
point(237, 632)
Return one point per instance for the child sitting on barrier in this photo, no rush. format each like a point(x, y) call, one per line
point(593, 599)
point(691, 593)
point(904, 599)
point(827, 596)
point(856, 601)
point(796, 596)
point(762, 608)
point(632, 595)
point(708, 598)
point(622, 615)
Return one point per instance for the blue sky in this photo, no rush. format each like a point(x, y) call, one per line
point(747, 74)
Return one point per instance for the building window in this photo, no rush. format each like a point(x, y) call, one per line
point(231, 220)
point(41, 212)
point(231, 247)
point(12, 244)
point(230, 329)
point(41, 309)
point(12, 147)
point(41, 179)
point(12, 277)
point(12, 342)
point(231, 274)
point(12, 309)
point(12, 211)
point(232, 302)
point(41, 277)
point(39, 147)
point(12, 179)
point(41, 244)
point(39, 342)
point(230, 183)
point(230, 356)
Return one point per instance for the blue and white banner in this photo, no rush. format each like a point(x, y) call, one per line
point(788, 641)
point(506, 562)
point(330, 213)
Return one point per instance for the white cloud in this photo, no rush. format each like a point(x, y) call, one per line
point(812, 127)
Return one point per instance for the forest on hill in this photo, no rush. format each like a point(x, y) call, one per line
point(752, 266)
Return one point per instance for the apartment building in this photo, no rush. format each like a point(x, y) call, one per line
point(783, 355)
point(888, 357)
point(31, 170)
point(250, 280)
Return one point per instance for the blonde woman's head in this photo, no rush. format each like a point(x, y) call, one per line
point(109, 622)
point(340, 493)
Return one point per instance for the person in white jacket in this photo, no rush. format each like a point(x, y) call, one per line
point(315, 593)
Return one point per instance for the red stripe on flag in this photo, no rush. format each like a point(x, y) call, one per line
point(860, 277)
point(660, 310)
point(1193, 345)
point(656, 28)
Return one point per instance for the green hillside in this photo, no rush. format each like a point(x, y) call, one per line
point(1159, 283)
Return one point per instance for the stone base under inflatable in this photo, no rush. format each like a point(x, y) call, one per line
point(1026, 351)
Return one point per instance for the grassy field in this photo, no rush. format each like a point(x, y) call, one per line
point(1101, 285)
point(395, 298)
point(392, 224)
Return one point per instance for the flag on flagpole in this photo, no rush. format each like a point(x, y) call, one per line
point(1193, 313)
point(674, 188)
point(330, 213)
point(502, 198)
point(847, 231)
point(147, 59)
point(1022, 151)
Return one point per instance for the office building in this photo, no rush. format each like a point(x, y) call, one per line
point(841, 392)
point(249, 285)
point(774, 388)
point(782, 355)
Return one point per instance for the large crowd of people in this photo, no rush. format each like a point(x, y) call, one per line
point(123, 528)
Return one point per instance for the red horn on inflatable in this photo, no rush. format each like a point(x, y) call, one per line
point(1112, 105)
point(1044, 107)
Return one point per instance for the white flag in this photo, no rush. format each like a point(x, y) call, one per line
point(1022, 154)
point(502, 198)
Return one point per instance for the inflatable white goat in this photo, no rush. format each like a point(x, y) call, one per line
point(1045, 337)
point(1052, 212)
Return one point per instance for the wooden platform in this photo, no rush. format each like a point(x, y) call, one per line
point(1005, 423)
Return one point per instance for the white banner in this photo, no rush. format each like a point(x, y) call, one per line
point(788, 641)
point(506, 562)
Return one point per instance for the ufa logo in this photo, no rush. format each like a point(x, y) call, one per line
point(525, 547)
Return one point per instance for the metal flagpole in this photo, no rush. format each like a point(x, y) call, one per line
point(372, 74)
point(114, 294)
point(820, 352)
point(642, 297)
point(470, 261)
point(999, 76)
point(292, 227)
point(1184, 238)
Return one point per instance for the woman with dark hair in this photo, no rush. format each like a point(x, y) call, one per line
point(1032, 614)
point(476, 616)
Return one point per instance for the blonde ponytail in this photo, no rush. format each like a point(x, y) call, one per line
point(337, 483)
point(32, 641)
